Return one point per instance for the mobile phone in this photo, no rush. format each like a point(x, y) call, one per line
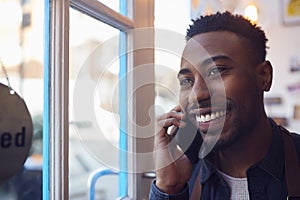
point(189, 140)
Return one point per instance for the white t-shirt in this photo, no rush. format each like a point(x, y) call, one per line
point(239, 187)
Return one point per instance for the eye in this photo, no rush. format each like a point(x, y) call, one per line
point(215, 71)
point(186, 82)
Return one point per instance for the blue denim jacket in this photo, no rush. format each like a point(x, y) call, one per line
point(266, 179)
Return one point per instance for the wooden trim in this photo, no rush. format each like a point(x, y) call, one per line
point(103, 13)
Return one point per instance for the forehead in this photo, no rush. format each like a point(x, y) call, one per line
point(206, 45)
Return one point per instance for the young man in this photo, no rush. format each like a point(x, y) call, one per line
point(223, 77)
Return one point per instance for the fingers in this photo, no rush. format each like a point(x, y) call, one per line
point(172, 118)
point(166, 126)
point(174, 130)
point(168, 158)
point(177, 108)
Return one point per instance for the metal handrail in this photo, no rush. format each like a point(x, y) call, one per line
point(94, 176)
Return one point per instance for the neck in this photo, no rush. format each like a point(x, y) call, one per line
point(248, 150)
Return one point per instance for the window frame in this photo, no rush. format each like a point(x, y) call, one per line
point(140, 14)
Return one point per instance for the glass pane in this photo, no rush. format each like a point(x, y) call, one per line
point(113, 4)
point(168, 52)
point(94, 118)
point(22, 54)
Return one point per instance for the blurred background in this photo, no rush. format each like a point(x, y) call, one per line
point(22, 51)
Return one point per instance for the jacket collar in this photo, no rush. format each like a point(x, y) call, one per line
point(273, 162)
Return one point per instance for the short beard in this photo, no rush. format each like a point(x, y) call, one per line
point(224, 143)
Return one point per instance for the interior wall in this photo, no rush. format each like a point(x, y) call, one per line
point(284, 45)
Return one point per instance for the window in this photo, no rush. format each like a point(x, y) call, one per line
point(75, 55)
point(94, 110)
point(78, 37)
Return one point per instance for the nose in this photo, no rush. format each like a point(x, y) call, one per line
point(200, 90)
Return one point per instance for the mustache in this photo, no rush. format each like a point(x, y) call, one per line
point(200, 104)
point(208, 103)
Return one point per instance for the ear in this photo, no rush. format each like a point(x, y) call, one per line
point(265, 75)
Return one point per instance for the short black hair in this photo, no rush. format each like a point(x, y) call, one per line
point(237, 24)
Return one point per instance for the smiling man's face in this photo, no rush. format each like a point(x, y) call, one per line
point(221, 86)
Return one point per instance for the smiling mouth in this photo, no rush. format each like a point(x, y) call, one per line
point(201, 118)
point(211, 117)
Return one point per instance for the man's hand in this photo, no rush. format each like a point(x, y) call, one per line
point(173, 168)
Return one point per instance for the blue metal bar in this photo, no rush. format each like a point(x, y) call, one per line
point(46, 100)
point(123, 125)
point(123, 107)
point(94, 177)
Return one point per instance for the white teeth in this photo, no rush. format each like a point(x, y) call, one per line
point(213, 116)
point(209, 117)
point(202, 118)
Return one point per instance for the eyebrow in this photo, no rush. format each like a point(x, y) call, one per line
point(214, 58)
point(204, 63)
point(183, 71)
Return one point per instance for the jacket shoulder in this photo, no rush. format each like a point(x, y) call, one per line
point(296, 138)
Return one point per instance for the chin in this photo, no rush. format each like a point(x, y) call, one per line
point(226, 140)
